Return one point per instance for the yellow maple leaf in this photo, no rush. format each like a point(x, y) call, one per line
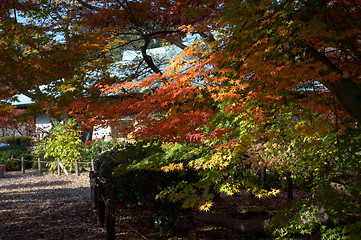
point(206, 206)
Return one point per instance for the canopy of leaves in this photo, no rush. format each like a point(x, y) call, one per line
point(273, 83)
point(264, 83)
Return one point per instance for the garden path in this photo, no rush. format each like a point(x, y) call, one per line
point(40, 207)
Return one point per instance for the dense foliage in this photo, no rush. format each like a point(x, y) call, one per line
point(24, 141)
point(15, 151)
point(263, 83)
point(128, 185)
point(93, 149)
point(63, 142)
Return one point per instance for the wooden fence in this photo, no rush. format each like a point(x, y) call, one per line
point(59, 165)
point(105, 212)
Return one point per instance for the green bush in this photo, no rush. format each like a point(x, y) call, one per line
point(63, 142)
point(93, 149)
point(127, 185)
point(17, 152)
point(16, 140)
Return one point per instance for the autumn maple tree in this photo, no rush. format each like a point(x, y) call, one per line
point(291, 57)
point(44, 58)
point(267, 83)
point(264, 83)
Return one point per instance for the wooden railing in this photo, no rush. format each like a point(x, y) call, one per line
point(105, 212)
point(59, 165)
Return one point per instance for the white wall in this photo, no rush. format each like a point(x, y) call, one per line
point(43, 125)
point(101, 132)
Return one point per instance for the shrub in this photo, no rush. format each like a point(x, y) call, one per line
point(129, 185)
point(17, 152)
point(95, 148)
point(16, 140)
point(62, 142)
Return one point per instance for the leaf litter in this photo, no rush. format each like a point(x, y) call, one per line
point(43, 207)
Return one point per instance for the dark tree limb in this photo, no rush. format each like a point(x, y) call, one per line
point(289, 185)
point(87, 5)
point(346, 90)
point(148, 59)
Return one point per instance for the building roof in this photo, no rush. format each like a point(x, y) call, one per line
point(21, 100)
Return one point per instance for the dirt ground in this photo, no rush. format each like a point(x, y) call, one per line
point(34, 206)
point(40, 207)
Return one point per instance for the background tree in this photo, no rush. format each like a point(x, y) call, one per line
point(45, 58)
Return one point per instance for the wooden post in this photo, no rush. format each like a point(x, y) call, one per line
point(64, 169)
point(93, 167)
point(92, 189)
point(76, 168)
point(39, 166)
point(289, 185)
point(12, 158)
point(110, 222)
point(22, 165)
point(263, 176)
point(91, 174)
point(58, 164)
point(100, 210)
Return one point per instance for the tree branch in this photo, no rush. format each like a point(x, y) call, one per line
point(346, 90)
point(178, 43)
point(87, 5)
point(148, 59)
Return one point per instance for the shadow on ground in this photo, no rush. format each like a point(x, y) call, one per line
point(47, 209)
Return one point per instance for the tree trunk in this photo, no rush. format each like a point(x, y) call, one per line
point(263, 176)
point(289, 185)
point(100, 205)
point(87, 135)
point(110, 222)
point(346, 91)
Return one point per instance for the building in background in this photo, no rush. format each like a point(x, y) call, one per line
point(41, 124)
